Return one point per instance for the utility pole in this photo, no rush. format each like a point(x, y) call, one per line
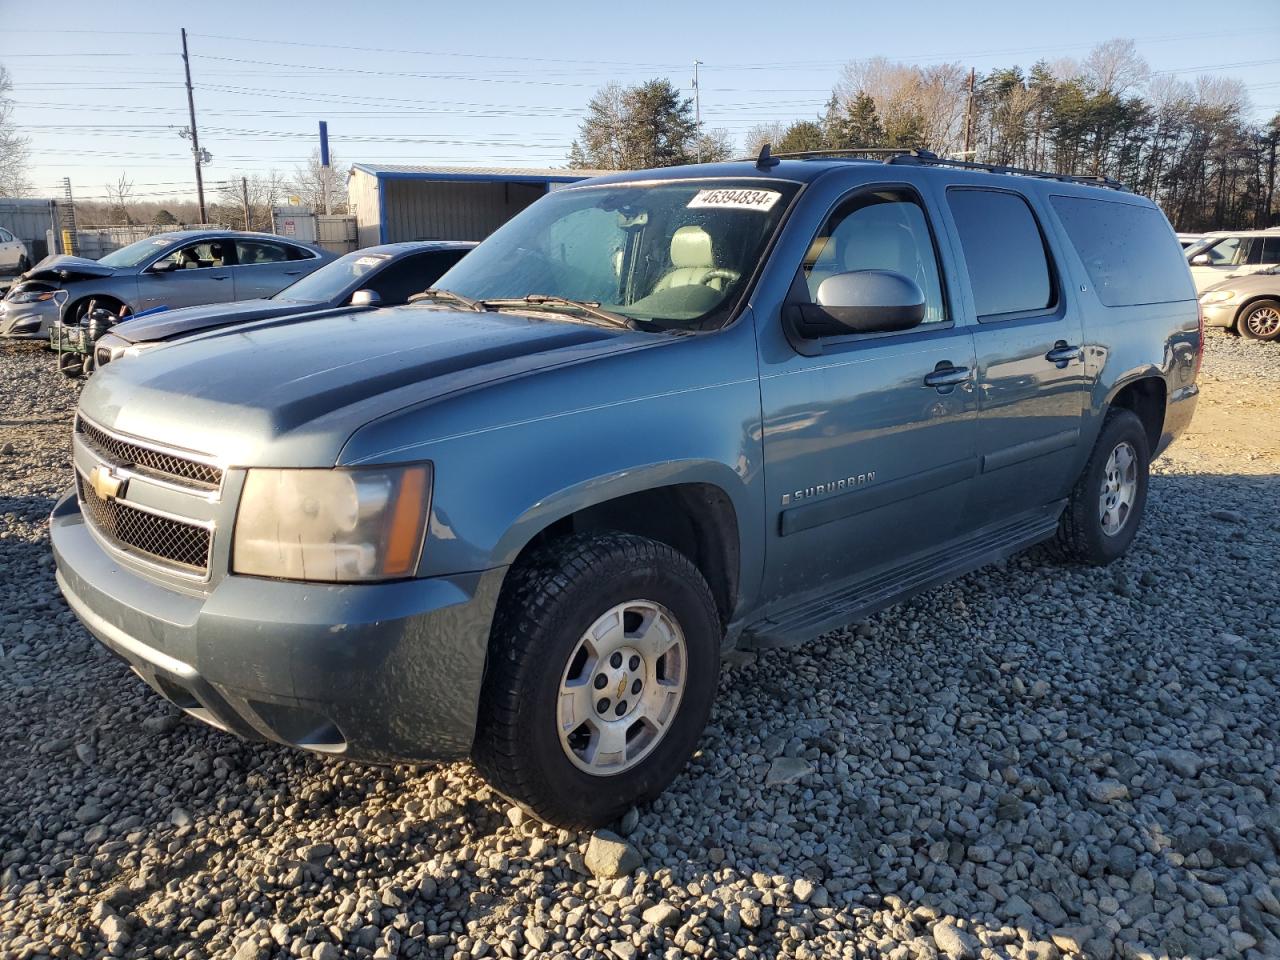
point(968, 117)
point(195, 136)
point(244, 195)
point(697, 107)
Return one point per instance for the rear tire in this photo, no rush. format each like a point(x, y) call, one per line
point(1260, 321)
point(1106, 505)
point(575, 671)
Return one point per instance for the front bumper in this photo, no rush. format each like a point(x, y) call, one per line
point(375, 672)
point(1220, 314)
point(27, 321)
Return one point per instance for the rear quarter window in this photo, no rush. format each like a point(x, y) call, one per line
point(1129, 251)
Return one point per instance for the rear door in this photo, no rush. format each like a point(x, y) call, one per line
point(1029, 337)
point(201, 274)
point(866, 460)
point(265, 267)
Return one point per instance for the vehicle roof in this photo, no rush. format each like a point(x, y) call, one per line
point(405, 246)
point(859, 170)
point(1267, 232)
point(178, 235)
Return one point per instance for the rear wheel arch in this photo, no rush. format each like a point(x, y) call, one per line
point(1146, 396)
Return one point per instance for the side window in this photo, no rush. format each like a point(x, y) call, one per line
point(878, 230)
point(396, 283)
point(249, 252)
point(1128, 250)
point(1004, 251)
point(5, 236)
point(195, 256)
point(298, 253)
point(1225, 252)
point(1270, 251)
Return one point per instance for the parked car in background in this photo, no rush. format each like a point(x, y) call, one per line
point(1248, 305)
point(176, 269)
point(655, 416)
point(1188, 239)
point(13, 254)
point(1232, 253)
point(387, 275)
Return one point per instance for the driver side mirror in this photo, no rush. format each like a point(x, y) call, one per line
point(863, 301)
point(365, 298)
point(1201, 260)
point(163, 266)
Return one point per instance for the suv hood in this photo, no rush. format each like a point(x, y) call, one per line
point(188, 320)
point(64, 267)
point(287, 393)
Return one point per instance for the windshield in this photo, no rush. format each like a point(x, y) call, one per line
point(136, 253)
point(677, 253)
point(333, 279)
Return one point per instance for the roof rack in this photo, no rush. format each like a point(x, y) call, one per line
point(910, 155)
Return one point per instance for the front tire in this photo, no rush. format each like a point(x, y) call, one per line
point(1260, 321)
point(603, 665)
point(1106, 505)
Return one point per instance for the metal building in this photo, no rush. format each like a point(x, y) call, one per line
point(394, 202)
point(33, 221)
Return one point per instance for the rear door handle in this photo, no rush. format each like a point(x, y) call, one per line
point(1063, 353)
point(947, 376)
point(292, 273)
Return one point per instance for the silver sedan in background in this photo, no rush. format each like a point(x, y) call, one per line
point(179, 269)
point(1248, 304)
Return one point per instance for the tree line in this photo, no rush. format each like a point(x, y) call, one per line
point(1191, 146)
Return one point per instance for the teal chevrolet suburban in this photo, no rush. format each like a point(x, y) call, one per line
point(657, 416)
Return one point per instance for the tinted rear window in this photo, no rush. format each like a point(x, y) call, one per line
point(1129, 251)
point(1004, 251)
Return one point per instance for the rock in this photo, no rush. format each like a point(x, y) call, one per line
point(161, 724)
point(114, 930)
point(1213, 895)
point(624, 950)
point(515, 816)
point(953, 942)
point(750, 914)
point(630, 820)
point(608, 855)
point(787, 770)
point(537, 937)
point(803, 889)
point(1182, 762)
point(1072, 939)
point(90, 813)
point(1107, 791)
point(1122, 861)
point(1048, 909)
point(179, 817)
point(662, 915)
point(315, 852)
point(250, 950)
point(1228, 516)
point(326, 951)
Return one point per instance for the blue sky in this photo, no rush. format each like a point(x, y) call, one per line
point(505, 83)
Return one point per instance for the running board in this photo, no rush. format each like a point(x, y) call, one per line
point(812, 616)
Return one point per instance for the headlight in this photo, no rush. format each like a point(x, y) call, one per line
point(334, 525)
point(31, 296)
point(1218, 296)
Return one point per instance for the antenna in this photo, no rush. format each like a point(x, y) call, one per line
point(766, 160)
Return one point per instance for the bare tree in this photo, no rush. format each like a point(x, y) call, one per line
point(762, 133)
point(917, 106)
point(312, 184)
point(1115, 67)
point(714, 145)
point(266, 191)
point(13, 147)
point(118, 196)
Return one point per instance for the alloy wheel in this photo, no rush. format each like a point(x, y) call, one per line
point(1119, 488)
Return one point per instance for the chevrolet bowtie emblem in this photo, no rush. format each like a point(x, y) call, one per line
point(105, 483)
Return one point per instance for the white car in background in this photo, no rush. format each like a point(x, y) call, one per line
point(1232, 253)
point(13, 255)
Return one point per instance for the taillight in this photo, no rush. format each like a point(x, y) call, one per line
point(1199, 337)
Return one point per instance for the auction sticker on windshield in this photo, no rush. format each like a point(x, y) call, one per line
point(735, 199)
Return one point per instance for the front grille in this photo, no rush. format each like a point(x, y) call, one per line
point(144, 460)
point(162, 538)
point(103, 356)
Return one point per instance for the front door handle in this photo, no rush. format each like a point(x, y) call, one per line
point(292, 273)
point(225, 276)
point(947, 376)
point(1063, 353)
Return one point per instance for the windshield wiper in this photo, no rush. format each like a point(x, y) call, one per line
point(590, 307)
point(439, 293)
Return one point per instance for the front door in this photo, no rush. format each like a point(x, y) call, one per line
point(193, 274)
point(869, 439)
point(1030, 346)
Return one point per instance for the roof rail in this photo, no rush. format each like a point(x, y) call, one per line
point(915, 155)
point(925, 157)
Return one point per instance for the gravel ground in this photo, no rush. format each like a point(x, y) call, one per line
point(1031, 762)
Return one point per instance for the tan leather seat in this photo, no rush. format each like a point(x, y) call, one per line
point(692, 258)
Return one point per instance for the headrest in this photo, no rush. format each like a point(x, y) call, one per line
point(691, 247)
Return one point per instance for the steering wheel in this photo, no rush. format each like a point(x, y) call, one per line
point(719, 273)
